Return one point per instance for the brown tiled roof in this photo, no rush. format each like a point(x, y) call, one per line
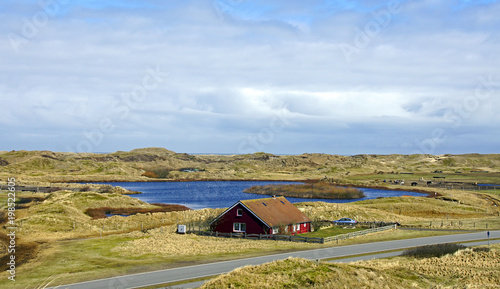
point(276, 211)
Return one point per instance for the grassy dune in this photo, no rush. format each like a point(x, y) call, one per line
point(61, 242)
point(46, 166)
point(66, 244)
point(469, 268)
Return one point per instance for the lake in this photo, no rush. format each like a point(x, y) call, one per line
point(223, 194)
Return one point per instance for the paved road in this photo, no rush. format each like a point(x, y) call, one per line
point(198, 271)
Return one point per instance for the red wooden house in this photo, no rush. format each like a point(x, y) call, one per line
point(262, 216)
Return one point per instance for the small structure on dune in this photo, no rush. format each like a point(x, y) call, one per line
point(274, 215)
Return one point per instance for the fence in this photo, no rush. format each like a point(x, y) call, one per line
point(292, 238)
point(457, 225)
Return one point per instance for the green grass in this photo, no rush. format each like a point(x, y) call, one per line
point(75, 261)
point(332, 231)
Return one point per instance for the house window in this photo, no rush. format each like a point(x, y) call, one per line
point(239, 212)
point(276, 230)
point(239, 227)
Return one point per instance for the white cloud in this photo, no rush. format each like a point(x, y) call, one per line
point(230, 73)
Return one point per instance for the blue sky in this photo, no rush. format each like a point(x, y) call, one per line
point(237, 76)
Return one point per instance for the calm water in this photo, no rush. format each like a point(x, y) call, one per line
point(222, 194)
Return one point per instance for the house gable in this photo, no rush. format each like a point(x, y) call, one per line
point(261, 216)
point(238, 214)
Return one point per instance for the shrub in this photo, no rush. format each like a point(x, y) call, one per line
point(319, 190)
point(157, 173)
point(430, 251)
point(99, 213)
point(150, 174)
point(85, 189)
point(51, 190)
point(104, 189)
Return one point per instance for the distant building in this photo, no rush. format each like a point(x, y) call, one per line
point(262, 216)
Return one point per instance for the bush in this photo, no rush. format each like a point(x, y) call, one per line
point(150, 174)
point(85, 189)
point(430, 251)
point(105, 189)
point(319, 190)
point(158, 173)
point(54, 189)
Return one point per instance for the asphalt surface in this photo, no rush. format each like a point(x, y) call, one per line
point(205, 270)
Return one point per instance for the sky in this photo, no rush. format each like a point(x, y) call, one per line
point(238, 76)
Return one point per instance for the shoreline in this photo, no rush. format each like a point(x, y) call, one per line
point(378, 187)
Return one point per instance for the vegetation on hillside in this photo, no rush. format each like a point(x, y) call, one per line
point(466, 268)
point(103, 212)
point(148, 163)
point(316, 190)
point(54, 224)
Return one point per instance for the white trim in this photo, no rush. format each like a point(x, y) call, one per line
point(229, 209)
point(239, 225)
point(251, 212)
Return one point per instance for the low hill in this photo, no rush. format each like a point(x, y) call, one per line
point(469, 268)
point(147, 164)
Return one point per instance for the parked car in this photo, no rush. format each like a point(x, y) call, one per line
point(345, 221)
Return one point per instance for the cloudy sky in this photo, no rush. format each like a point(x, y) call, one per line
point(239, 76)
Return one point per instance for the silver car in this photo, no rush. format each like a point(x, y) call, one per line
point(345, 221)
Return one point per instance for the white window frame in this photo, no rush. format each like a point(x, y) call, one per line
point(239, 227)
point(239, 212)
point(276, 231)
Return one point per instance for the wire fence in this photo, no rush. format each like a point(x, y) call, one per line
point(292, 238)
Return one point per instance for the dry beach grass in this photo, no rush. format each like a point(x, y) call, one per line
point(68, 245)
point(468, 268)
